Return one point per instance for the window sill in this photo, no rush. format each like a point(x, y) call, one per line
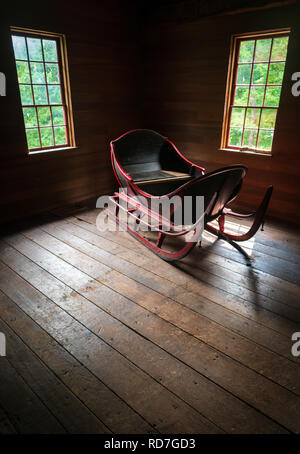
point(50, 150)
point(253, 153)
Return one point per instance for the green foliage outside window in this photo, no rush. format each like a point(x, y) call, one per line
point(40, 91)
point(256, 94)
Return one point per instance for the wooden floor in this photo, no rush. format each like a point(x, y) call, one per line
point(105, 337)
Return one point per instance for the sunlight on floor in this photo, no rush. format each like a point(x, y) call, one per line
point(236, 229)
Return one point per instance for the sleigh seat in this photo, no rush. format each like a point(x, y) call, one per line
point(152, 161)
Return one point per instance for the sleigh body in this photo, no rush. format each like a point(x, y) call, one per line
point(151, 171)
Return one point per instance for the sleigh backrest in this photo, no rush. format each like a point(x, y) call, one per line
point(144, 152)
point(141, 146)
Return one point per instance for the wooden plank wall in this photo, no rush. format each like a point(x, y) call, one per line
point(103, 53)
point(185, 70)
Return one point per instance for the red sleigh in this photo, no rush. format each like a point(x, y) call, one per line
point(149, 167)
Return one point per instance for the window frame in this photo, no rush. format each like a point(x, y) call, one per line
point(64, 87)
point(230, 88)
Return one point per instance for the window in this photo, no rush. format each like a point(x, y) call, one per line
point(253, 91)
point(44, 89)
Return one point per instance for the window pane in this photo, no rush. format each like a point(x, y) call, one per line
point(58, 115)
point(54, 94)
point(272, 96)
point(19, 47)
point(35, 49)
point(244, 74)
point(23, 72)
point(257, 79)
point(279, 49)
point(250, 136)
point(246, 51)
point(265, 140)
point(260, 73)
point(40, 80)
point(37, 73)
point(252, 118)
point(60, 135)
point(44, 116)
point(52, 73)
point(241, 96)
point(237, 117)
point(46, 137)
point(276, 73)
point(29, 117)
point(262, 50)
point(235, 136)
point(40, 94)
point(33, 139)
point(50, 51)
point(256, 96)
point(268, 118)
point(26, 95)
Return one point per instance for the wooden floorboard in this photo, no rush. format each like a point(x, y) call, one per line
point(152, 299)
point(6, 427)
point(212, 400)
point(72, 414)
point(219, 250)
point(143, 270)
point(26, 411)
point(19, 311)
point(104, 337)
point(145, 260)
point(148, 397)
